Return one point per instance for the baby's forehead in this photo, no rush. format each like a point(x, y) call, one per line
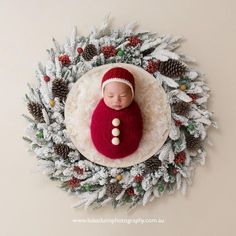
point(115, 84)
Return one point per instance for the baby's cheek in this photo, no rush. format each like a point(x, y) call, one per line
point(129, 99)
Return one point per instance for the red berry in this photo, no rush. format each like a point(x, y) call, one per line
point(46, 78)
point(78, 170)
point(108, 51)
point(193, 96)
point(152, 66)
point(74, 182)
point(130, 191)
point(138, 178)
point(65, 60)
point(174, 171)
point(80, 50)
point(133, 41)
point(178, 123)
point(180, 158)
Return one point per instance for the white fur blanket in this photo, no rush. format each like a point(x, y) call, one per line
point(150, 96)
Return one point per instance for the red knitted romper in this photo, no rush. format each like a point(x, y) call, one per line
point(130, 125)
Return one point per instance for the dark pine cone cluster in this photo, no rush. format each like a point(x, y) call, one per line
point(172, 68)
point(152, 164)
point(181, 108)
point(61, 150)
point(192, 143)
point(35, 109)
point(89, 52)
point(60, 88)
point(113, 189)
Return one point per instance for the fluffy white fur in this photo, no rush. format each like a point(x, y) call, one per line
point(153, 103)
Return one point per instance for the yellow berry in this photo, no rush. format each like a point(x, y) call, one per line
point(183, 87)
point(52, 102)
point(119, 177)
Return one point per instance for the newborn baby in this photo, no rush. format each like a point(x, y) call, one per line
point(116, 125)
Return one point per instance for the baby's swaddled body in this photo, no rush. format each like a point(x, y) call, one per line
point(116, 133)
point(116, 123)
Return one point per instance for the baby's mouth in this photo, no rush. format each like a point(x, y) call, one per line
point(117, 106)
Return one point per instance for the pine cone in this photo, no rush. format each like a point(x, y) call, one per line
point(35, 110)
point(172, 68)
point(181, 108)
point(61, 150)
point(113, 189)
point(59, 88)
point(152, 164)
point(89, 52)
point(192, 143)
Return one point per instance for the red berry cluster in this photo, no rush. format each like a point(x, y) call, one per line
point(130, 191)
point(134, 41)
point(65, 60)
point(193, 96)
point(178, 122)
point(74, 182)
point(108, 51)
point(138, 178)
point(174, 171)
point(180, 158)
point(152, 66)
point(78, 170)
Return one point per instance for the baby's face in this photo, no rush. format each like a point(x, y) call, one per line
point(117, 95)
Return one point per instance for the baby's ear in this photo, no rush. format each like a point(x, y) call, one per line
point(103, 91)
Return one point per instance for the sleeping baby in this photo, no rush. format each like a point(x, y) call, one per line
point(116, 124)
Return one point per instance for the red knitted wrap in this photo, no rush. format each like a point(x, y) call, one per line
point(131, 129)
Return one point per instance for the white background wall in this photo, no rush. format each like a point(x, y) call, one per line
point(32, 205)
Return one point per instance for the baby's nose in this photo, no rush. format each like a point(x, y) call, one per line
point(117, 98)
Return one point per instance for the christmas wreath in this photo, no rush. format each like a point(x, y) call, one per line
point(170, 169)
